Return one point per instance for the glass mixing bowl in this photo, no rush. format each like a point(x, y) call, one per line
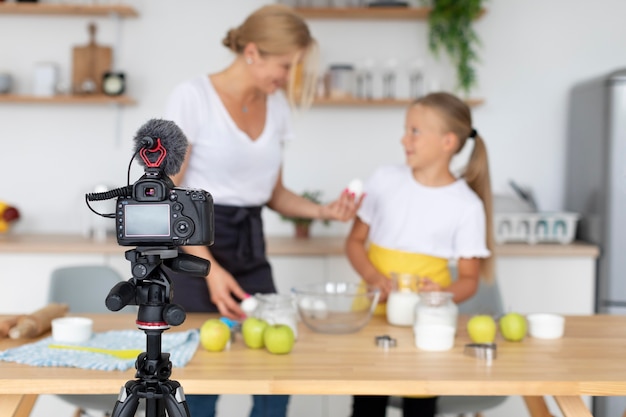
point(336, 307)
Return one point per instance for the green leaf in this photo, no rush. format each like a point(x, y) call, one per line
point(450, 29)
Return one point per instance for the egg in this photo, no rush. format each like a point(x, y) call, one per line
point(356, 187)
point(320, 308)
point(249, 304)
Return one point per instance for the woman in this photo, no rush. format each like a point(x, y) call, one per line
point(236, 122)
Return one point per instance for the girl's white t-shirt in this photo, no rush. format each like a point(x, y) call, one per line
point(402, 214)
point(225, 161)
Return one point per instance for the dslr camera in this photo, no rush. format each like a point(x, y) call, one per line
point(153, 212)
point(156, 213)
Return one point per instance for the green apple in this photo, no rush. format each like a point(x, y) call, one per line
point(279, 338)
point(252, 330)
point(513, 327)
point(482, 329)
point(214, 335)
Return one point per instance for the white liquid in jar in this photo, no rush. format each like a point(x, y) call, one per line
point(401, 308)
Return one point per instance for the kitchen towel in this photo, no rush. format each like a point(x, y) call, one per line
point(180, 345)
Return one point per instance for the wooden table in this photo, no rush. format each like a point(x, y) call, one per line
point(589, 360)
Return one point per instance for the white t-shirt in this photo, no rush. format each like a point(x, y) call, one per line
point(446, 222)
point(225, 161)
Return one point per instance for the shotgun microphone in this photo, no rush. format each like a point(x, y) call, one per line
point(161, 144)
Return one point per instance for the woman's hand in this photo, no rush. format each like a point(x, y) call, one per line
point(223, 286)
point(342, 209)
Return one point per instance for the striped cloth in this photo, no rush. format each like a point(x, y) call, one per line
point(180, 345)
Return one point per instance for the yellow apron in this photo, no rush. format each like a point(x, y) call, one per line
point(387, 261)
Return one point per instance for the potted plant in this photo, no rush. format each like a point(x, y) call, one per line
point(450, 29)
point(302, 225)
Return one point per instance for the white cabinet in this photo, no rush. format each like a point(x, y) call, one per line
point(563, 285)
point(290, 271)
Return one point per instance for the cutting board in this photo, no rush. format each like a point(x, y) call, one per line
point(89, 63)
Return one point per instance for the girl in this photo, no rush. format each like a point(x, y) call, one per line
point(416, 217)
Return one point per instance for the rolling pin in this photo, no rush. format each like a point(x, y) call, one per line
point(6, 325)
point(37, 323)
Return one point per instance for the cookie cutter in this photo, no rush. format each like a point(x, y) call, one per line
point(385, 341)
point(486, 351)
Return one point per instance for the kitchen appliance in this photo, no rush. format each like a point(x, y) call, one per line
point(596, 188)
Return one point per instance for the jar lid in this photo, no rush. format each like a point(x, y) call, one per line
point(436, 298)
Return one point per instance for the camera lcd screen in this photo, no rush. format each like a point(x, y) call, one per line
point(147, 220)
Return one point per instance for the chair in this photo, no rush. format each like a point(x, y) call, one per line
point(84, 289)
point(487, 300)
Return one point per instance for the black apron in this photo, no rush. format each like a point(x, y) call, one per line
point(240, 249)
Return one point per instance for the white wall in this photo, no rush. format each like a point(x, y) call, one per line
point(533, 52)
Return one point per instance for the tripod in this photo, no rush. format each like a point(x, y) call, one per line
point(151, 290)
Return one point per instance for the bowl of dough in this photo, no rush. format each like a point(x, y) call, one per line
point(335, 307)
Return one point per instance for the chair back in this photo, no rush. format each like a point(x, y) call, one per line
point(83, 288)
point(487, 300)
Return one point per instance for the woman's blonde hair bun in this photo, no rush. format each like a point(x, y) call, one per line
point(231, 38)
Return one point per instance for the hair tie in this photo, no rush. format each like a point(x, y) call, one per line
point(473, 134)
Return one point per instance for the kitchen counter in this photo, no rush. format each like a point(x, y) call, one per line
point(276, 246)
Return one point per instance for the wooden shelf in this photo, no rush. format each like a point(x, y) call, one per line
point(66, 99)
point(66, 9)
point(361, 13)
point(382, 13)
point(356, 102)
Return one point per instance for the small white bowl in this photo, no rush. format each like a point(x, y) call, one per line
point(545, 326)
point(71, 329)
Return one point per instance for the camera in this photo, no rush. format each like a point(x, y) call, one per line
point(156, 213)
point(153, 212)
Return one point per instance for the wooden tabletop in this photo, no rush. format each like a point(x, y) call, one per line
point(588, 360)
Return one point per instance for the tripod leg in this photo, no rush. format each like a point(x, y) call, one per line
point(127, 402)
point(174, 398)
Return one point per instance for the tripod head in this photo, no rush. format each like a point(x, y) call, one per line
point(151, 289)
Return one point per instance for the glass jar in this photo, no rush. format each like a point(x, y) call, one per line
point(436, 308)
point(340, 81)
point(402, 299)
point(277, 309)
point(435, 321)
